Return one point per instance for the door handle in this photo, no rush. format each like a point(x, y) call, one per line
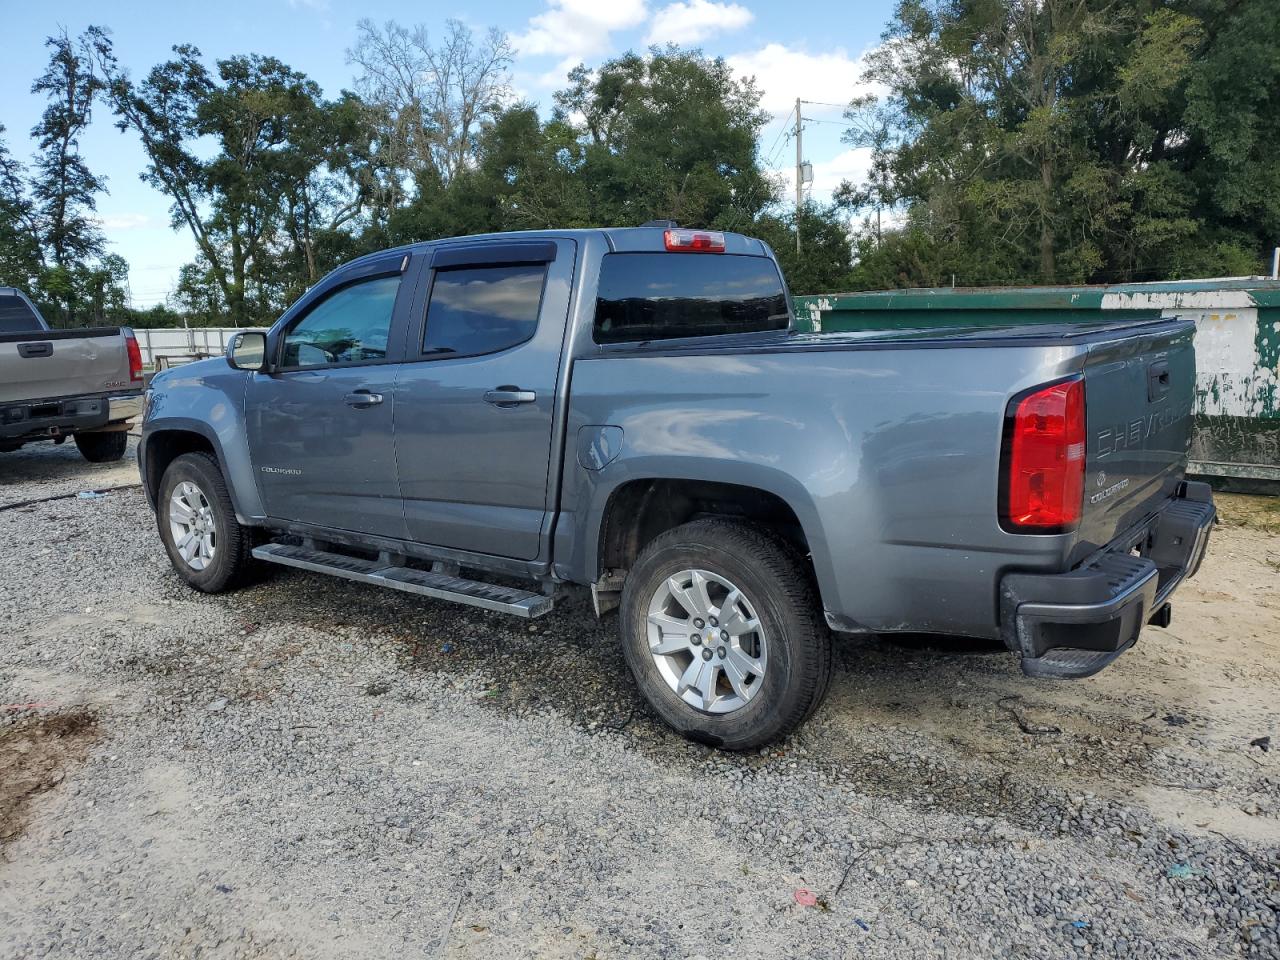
point(509, 396)
point(362, 398)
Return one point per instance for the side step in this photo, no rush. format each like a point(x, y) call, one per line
point(440, 586)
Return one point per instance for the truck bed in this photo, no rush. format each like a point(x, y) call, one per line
point(890, 444)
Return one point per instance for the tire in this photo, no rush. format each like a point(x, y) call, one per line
point(220, 556)
point(790, 643)
point(102, 447)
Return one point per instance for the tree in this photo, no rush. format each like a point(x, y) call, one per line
point(1079, 140)
point(671, 136)
point(668, 136)
point(64, 190)
point(266, 190)
point(428, 103)
point(20, 254)
point(826, 258)
point(1232, 116)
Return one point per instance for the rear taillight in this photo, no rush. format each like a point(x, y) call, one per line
point(1044, 453)
point(694, 241)
point(135, 356)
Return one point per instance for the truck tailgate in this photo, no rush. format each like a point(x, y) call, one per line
point(62, 363)
point(1139, 392)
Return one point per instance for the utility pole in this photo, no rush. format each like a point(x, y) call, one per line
point(799, 172)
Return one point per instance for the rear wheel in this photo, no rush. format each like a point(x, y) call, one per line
point(722, 631)
point(197, 522)
point(102, 447)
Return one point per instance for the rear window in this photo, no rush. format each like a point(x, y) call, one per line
point(660, 296)
point(16, 316)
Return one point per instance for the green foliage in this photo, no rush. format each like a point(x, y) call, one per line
point(50, 243)
point(1020, 141)
point(64, 189)
point(668, 136)
point(1072, 140)
point(20, 253)
point(824, 262)
point(282, 175)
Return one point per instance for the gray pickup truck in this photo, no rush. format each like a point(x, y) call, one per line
point(494, 419)
point(83, 383)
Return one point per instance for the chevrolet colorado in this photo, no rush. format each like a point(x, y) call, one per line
point(493, 419)
point(82, 383)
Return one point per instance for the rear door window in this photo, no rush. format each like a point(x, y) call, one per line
point(16, 316)
point(661, 296)
point(482, 309)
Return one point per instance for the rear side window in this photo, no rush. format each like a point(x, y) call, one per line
point(16, 316)
point(351, 325)
point(660, 296)
point(477, 310)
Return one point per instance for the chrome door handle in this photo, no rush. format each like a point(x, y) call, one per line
point(362, 398)
point(509, 396)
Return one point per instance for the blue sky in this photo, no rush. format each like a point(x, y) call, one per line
point(810, 50)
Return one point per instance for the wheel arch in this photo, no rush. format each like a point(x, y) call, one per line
point(163, 443)
point(636, 509)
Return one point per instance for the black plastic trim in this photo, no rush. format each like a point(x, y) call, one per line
point(492, 254)
point(1070, 625)
point(31, 336)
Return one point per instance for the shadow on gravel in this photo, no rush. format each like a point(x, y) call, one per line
point(34, 755)
point(939, 722)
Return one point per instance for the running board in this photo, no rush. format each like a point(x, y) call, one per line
point(440, 586)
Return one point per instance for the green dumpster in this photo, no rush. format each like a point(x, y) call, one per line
point(1237, 433)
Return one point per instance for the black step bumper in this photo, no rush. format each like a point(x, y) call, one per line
point(41, 419)
point(1071, 625)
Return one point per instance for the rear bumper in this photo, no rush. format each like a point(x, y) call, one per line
point(42, 419)
point(1071, 625)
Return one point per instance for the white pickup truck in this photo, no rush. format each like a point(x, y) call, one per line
point(55, 384)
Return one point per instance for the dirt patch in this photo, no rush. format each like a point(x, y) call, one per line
point(1256, 513)
point(34, 756)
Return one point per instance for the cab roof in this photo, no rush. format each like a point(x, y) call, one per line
point(647, 239)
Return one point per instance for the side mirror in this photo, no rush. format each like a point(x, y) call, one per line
point(248, 350)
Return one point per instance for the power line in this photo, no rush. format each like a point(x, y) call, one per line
point(781, 132)
point(823, 103)
point(773, 158)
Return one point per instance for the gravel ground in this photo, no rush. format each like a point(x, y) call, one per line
point(310, 768)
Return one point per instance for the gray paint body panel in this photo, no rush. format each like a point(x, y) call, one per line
point(889, 459)
point(887, 448)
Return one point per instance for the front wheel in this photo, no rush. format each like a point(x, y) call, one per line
point(208, 548)
point(722, 631)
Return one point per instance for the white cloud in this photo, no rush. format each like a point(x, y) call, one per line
point(128, 221)
point(850, 165)
point(782, 74)
point(695, 20)
point(578, 29)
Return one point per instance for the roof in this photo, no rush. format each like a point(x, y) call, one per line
point(621, 239)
